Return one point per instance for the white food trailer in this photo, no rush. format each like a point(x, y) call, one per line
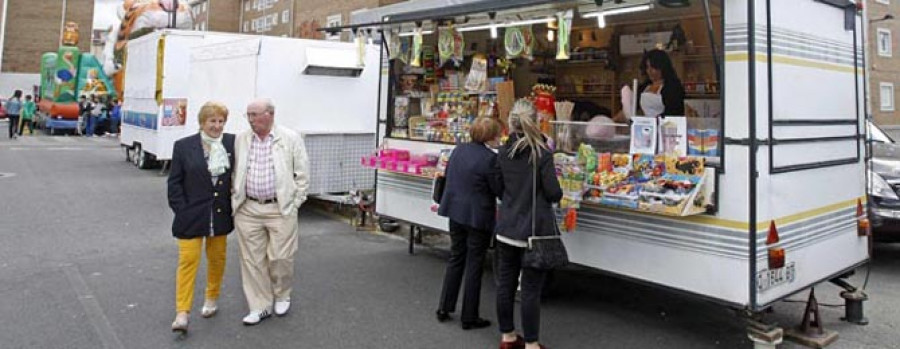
point(792, 153)
point(172, 73)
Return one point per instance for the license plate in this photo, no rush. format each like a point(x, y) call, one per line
point(767, 279)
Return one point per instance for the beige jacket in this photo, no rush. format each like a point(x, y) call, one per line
point(291, 169)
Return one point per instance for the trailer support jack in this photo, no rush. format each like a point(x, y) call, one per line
point(811, 333)
point(853, 303)
point(854, 307)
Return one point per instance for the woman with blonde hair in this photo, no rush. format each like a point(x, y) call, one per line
point(529, 190)
point(470, 202)
point(200, 195)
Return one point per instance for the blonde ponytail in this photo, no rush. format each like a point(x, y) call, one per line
point(522, 119)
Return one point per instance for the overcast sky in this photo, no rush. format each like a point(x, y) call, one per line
point(105, 13)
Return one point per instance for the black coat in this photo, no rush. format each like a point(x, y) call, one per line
point(516, 207)
point(192, 195)
point(472, 187)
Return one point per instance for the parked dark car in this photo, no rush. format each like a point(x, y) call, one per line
point(884, 186)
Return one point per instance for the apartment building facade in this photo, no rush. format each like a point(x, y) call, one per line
point(301, 18)
point(884, 62)
point(218, 16)
point(30, 28)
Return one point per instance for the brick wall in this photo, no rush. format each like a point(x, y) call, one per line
point(313, 14)
point(225, 16)
point(884, 69)
point(33, 28)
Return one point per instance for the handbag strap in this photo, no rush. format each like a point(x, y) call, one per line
point(533, 193)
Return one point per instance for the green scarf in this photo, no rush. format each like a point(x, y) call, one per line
point(218, 157)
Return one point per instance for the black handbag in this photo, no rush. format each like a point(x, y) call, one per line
point(437, 188)
point(543, 252)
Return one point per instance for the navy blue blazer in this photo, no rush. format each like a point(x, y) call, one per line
point(472, 186)
point(193, 196)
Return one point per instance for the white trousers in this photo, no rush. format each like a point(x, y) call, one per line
point(268, 242)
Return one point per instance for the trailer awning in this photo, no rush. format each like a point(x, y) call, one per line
point(427, 10)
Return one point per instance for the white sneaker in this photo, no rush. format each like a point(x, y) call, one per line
point(209, 308)
point(256, 317)
point(282, 307)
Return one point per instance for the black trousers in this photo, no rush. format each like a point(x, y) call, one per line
point(13, 125)
point(509, 267)
point(26, 123)
point(467, 249)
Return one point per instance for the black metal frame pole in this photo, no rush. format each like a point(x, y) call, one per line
point(751, 111)
point(771, 87)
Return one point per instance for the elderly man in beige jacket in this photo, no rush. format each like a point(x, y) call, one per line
point(271, 177)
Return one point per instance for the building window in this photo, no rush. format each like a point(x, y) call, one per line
point(247, 6)
point(285, 16)
point(333, 21)
point(206, 6)
point(887, 96)
point(246, 27)
point(885, 43)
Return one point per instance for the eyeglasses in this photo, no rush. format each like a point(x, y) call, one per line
point(254, 114)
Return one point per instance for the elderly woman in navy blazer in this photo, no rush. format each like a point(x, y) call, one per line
point(469, 200)
point(200, 196)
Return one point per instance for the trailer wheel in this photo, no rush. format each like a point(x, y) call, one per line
point(136, 155)
point(127, 153)
point(144, 162)
point(387, 225)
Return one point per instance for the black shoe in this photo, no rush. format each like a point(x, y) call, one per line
point(478, 323)
point(443, 316)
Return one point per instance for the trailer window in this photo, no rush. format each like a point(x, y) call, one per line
point(434, 99)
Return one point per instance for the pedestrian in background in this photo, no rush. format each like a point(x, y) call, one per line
point(115, 117)
point(270, 184)
point(28, 109)
point(469, 201)
point(530, 188)
point(84, 113)
point(13, 111)
point(94, 116)
point(200, 195)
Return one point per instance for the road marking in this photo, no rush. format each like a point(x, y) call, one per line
point(7, 174)
point(50, 148)
point(92, 308)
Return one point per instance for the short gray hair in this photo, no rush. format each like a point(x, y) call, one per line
point(266, 102)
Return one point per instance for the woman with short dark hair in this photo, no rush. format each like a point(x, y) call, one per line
point(469, 201)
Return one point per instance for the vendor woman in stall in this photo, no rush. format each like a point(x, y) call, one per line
point(661, 93)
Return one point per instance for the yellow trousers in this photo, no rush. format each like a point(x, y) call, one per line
point(189, 251)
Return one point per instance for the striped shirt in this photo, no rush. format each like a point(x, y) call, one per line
point(261, 168)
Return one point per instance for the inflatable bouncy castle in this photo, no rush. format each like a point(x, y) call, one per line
point(138, 17)
point(65, 76)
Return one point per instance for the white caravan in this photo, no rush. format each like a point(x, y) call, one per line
point(171, 74)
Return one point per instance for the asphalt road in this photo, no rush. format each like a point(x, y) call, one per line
point(87, 261)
